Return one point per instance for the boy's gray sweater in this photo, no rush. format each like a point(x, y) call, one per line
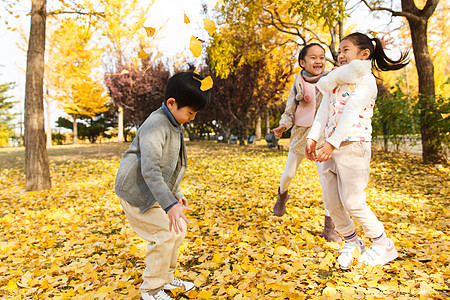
point(152, 167)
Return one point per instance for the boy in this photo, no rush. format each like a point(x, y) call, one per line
point(148, 183)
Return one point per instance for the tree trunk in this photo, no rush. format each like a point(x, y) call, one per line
point(120, 126)
point(431, 142)
point(36, 160)
point(49, 123)
point(75, 130)
point(267, 120)
point(241, 135)
point(258, 128)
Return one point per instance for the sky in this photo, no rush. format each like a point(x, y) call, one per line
point(173, 38)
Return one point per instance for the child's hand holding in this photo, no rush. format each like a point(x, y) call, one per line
point(326, 149)
point(279, 130)
point(175, 213)
point(310, 149)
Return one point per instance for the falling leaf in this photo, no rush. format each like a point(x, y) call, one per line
point(186, 19)
point(143, 55)
point(207, 83)
point(210, 26)
point(124, 72)
point(150, 31)
point(445, 116)
point(195, 46)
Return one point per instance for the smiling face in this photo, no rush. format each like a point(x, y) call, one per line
point(348, 51)
point(314, 60)
point(181, 115)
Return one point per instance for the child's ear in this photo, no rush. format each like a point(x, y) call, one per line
point(171, 103)
point(302, 63)
point(366, 53)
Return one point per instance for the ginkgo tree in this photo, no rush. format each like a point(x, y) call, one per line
point(36, 160)
point(123, 33)
point(242, 45)
point(418, 14)
point(75, 79)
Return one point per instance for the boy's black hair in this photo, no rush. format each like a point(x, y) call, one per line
point(184, 87)
point(304, 51)
point(380, 61)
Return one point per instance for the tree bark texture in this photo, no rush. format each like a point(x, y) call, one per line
point(267, 121)
point(75, 130)
point(49, 123)
point(120, 126)
point(429, 118)
point(36, 159)
point(258, 128)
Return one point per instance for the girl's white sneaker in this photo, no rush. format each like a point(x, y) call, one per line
point(346, 257)
point(379, 255)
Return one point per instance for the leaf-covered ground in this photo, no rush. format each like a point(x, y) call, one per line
point(73, 241)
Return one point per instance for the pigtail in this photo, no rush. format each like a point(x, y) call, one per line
point(379, 59)
point(383, 63)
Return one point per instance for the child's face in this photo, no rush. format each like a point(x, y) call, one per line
point(314, 60)
point(181, 115)
point(349, 51)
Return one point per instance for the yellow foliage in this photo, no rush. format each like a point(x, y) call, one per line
point(72, 70)
point(74, 242)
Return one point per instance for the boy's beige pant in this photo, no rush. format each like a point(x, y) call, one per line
point(345, 176)
point(162, 250)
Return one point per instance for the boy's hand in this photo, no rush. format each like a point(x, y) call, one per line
point(326, 149)
point(175, 213)
point(183, 201)
point(279, 130)
point(310, 149)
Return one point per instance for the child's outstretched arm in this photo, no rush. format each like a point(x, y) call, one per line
point(279, 130)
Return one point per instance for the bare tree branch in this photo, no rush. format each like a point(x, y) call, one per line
point(58, 12)
point(393, 12)
point(429, 8)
